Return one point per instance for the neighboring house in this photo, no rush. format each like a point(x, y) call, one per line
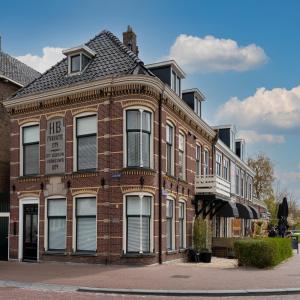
point(13, 75)
point(104, 153)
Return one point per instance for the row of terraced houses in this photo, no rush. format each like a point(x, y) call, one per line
point(110, 161)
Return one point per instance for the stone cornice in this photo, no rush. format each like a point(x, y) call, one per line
point(104, 89)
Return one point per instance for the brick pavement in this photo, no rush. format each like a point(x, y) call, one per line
point(168, 276)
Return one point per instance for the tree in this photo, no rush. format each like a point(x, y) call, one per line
point(264, 176)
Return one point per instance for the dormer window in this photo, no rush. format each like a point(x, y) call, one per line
point(78, 58)
point(197, 106)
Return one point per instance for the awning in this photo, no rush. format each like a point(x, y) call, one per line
point(244, 211)
point(256, 214)
point(228, 210)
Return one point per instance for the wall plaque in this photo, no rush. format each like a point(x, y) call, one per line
point(55, 146)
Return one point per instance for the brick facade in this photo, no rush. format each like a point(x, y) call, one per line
point(108, 188)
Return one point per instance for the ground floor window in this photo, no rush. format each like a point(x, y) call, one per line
point(225, 223)
point(86, 236)
point(218, 226)
point(170, 219)
point(57, 224)
point(138, 223)
point(181, 219)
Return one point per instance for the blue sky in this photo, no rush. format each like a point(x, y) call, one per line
point(262, 35)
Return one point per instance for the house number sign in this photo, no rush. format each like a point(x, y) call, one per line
point(55, 146)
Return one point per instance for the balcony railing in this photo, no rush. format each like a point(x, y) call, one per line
point(212, 184)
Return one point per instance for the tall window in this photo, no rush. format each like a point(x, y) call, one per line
point(218, 164)
point(138, 220)
point(206, 162)
point(138, 132)
point(242, 184)
point(250, 188)
point(181, 219)
point(86, 234)
point(198, 160)
point(170, 220)
point(31, 153)
point(181, 160)
point(226, 169)
point(237, 182)
point(57, 211)
point(225, 227)
point(170, 149)
point(86, 136)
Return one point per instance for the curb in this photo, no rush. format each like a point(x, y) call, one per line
point(145, 292)
point(192, 293)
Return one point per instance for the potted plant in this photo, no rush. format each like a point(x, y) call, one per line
point(202, 239)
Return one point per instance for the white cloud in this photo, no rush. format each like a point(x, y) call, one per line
point(211, 54)
point(277, 108)
point(253, 137)
point(50, 57)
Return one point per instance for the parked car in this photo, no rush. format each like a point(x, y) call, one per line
point(295, 232)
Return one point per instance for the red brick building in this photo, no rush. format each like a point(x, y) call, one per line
point(103, 159)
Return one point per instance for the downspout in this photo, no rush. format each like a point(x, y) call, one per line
point(160, 178)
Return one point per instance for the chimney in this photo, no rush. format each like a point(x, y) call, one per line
point(129, 40)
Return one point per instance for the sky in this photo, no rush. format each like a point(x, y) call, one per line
point(243, 55)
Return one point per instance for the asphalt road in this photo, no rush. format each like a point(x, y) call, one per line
point(31, 294)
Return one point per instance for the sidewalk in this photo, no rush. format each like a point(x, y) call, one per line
point(174, 276)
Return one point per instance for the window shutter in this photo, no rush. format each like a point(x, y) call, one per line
point(146, 234)
point(86, 234)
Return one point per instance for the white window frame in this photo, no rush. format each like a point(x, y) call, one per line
point(173, 224)
point(242, 183)
point(80, 54)
point(172, 149)
point(81, 115)
point(29, 124)
point(226, 167)
point(46, 219)
point(22, 202)
point(183, 151)
point(206, 163)
point(237, 181)
point(182, 201)
point(140, 195)
point(74, 229)
point(197, 107)
point(140, 108)
point(218, 164)
point(198, 159)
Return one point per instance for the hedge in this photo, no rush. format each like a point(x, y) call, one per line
point(262, 252)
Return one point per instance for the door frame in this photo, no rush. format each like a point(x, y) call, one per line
point(7, 215)
point(23, 201)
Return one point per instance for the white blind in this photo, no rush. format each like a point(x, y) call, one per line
point(133, 205)
point(169, 208)
point(31, 134)
point(181, 142)
point(31, 159)
point(169, 134)
point(133, 149)
point(57, 233)
point(87, 153)
point(146, 121)
point(86, 234)
point(86, 206)
point(133, 234)
point(146, 149)
point(87, 125)
point(57, 207)
point(146, 234)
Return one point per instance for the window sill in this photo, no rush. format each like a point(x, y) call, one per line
point(56, 253)
point(182, 250)
point(170, 252)
point(138, 170)
point(84, 253)
point(137, 255)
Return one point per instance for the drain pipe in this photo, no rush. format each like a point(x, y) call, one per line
point(160, 179)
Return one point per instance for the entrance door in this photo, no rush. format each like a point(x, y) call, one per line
point(3, 238)
point(30, 231)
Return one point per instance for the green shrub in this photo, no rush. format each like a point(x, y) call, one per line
point(202, 235)
point(262, 252)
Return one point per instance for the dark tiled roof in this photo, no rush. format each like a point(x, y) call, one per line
point(112, 58)
point(15, 70)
